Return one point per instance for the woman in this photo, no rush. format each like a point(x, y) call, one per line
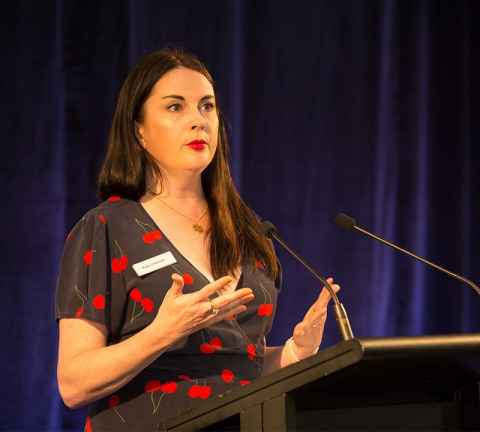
point(168, 288)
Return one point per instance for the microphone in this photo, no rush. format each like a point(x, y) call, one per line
point(341, 317)
point(348, 223)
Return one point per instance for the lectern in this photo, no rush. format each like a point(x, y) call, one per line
point(425, 383)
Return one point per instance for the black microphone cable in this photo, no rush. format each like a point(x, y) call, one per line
point(341, 316)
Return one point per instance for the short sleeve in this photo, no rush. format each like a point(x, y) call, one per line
point(82, 286)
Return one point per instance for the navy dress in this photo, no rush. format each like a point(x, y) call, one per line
point(97, 283)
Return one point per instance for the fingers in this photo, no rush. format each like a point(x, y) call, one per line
point(325, 296)
point(230, 303)
point(177, 284)
point(225, 299)
point(242, 300)
point(213, 287)
point(299, 330)
point(228, 312)
point(319, 309)
point(335, 287)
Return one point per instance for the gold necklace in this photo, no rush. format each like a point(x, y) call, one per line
point(196, 226)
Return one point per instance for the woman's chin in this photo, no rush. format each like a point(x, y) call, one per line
point(197, 162)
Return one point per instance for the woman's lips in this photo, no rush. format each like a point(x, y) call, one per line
point(197, 145)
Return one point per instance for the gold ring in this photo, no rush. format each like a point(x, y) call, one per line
point(213, 309)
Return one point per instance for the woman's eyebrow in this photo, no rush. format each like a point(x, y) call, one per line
point(182, 98)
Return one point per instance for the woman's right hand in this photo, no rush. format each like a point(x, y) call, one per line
point(182, 314)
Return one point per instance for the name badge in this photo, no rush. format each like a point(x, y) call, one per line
point(155, 263)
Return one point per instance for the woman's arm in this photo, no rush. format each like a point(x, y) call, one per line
point(307, 336)
point(88, 370)
point(280, 356)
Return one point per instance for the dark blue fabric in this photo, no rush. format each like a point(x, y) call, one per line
point(369, 108)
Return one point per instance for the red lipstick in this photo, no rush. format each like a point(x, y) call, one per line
point(197, 145)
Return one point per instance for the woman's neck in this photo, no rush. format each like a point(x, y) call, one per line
point(180, 187)
point(180, 196)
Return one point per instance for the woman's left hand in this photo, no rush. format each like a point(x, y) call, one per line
point(308, 333)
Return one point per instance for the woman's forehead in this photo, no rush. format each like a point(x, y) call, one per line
point(183, 82)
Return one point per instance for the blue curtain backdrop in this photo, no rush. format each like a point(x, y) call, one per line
point(366, 107)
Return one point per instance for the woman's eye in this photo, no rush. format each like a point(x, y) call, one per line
point(174, 107)
point(208, 106)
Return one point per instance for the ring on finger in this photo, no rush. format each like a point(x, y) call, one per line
point(213, 308)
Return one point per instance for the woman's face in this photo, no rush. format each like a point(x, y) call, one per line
point(180, 122)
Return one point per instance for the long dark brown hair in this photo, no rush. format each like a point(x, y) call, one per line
point(235, 234)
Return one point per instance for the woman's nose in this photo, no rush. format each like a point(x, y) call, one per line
point(198, 126)
point(198, 121)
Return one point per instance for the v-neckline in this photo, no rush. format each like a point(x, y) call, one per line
point(144, 210)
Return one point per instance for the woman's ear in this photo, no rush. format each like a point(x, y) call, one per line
point(139, 134)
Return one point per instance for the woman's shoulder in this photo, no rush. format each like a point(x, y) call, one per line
point(111, 210)
point(114, 206)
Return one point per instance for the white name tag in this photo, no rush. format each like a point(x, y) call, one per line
point(154, 263)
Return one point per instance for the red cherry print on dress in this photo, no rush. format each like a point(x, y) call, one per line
point(150, 237)
point(79, 312)
point(199, 391)
point(135, 295)
point(206, 348)
point(88, 425)
point(227, 376)
point(150, 234)
point(205, 392)
point(244, 382)
point(252, 351)
point(147, 304)
point(194, 391)
point(102, 219)
point(265, 309)
point(153, 386)
point(119, 264)
point(169, 387)
point(87, 257)
point(116, 265)
point(216, 342)
point(114, 198)
point(83, 299)
point(212, 346)
point(113, 401)
point(187, 279)
point(98, 301)
point(147, 238)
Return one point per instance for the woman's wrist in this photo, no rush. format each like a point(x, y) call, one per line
point(162, 340)
point(299, 353)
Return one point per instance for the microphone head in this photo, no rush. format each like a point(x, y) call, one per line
point(344, 221)
point(268, 228)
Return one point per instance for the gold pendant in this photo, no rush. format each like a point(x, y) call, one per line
point(198, 228)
